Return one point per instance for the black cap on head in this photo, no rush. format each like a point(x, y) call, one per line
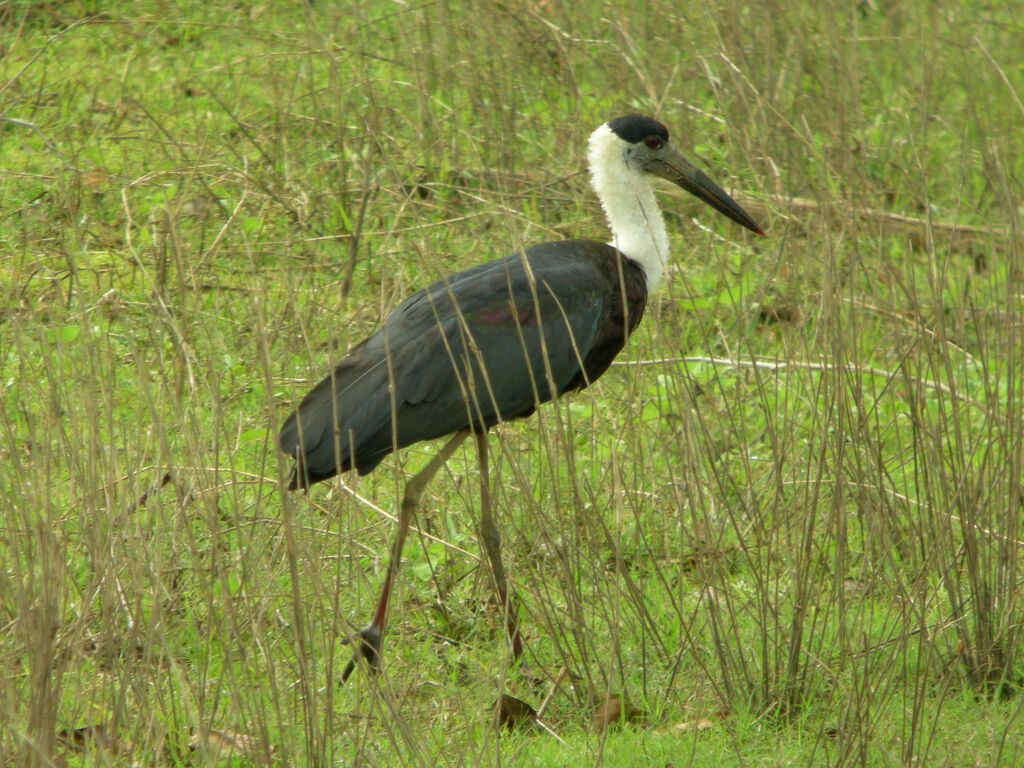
point(636, 128)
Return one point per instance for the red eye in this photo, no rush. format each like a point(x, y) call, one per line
point(653, 142)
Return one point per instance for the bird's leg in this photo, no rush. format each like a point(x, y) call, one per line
point(372, 636)
point(490, 539)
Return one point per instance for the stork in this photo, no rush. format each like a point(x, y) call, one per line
point(494, 342)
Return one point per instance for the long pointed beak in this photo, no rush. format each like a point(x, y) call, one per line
point(682, 172)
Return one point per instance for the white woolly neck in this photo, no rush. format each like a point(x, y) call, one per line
point(638, 230)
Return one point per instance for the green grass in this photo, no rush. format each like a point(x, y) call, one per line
point(793, 512)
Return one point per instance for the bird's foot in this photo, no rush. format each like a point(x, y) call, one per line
point(368, 643)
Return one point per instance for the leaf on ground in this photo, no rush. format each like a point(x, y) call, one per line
point(511, 713)
point(615, 709)
point(700, 724)
point(87, 737)
point(228, 743)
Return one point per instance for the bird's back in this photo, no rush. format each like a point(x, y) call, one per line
point(478, 347)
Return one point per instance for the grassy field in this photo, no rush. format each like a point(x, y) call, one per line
point(788, 525)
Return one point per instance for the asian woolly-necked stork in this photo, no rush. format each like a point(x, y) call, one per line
point(493, 342)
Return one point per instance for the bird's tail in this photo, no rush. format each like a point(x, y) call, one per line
point(319, 434)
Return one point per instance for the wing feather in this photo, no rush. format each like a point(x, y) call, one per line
point(482, 346)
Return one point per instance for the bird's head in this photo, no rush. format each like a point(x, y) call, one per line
point(643, 145)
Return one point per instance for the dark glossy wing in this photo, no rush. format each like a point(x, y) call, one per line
point(481, 346)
